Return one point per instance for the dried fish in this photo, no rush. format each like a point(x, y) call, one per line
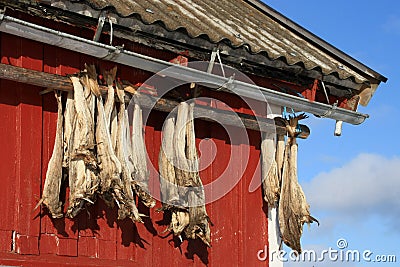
point(69, 118)
point(83, 179)
point(279, 156)
point(181, 212)
point(139, 158)
point(109, 165)
point(179, 141)
point(128, 208)
point(169, 190)
point(114, 127)
point(269, 170)
point(96, 150)
point(52, 185)
point(293, 208)
point(181, 186)
point(109, 106)
point(198, 218)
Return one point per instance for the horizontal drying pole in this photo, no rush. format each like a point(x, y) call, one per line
point(58, 82)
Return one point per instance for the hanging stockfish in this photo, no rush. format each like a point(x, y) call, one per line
point(52, 185)
point(83, 180)
point(170, 171)
point(114, 127)
point(180, 161)
point(279, 156)
point(139, 158)
point(181, 187)
point(109, 105)
point(109, 166)
point(198, 218)
point(69, 118)
point(269, 170)
point(169, 190)
point(96, 149)
point(180, 214)
point(293, 208)
point(128, 208)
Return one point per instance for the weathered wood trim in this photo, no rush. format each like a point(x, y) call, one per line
point(206, 113)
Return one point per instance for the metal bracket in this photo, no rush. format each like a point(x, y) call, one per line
point(2, 13)
point(100, 25)
point(228, 84)
point(329, 112)
point(113, 53)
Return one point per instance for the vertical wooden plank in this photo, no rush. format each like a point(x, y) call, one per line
point(5, 241)
point(107, 249)
point(48, 244)
point(146, 231)
point(9, 154)
point(27, 146)
point(104, 229)
point(64, 231)
point(30, 112)
point(26, 245)
point(127, 238)
point(255, 217)
point(21, 145)
point(207, 153)
point(8, 142)
point(160, 246)
point(67, 247)
point(60, 61)
point(87, 247)
point(224, 210)
point(49, 130)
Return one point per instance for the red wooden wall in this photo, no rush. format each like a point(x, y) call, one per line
point(32, 238)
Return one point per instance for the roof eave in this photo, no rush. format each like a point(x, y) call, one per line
point(317, 41)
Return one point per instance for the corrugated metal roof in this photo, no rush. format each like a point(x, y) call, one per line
point(239, 23)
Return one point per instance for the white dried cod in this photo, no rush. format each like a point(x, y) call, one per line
point(293, 211)
point(52, 185)
point(138, 156)
point(97, 150)
point(181, 187)
point(128, 208)
point(83, 178)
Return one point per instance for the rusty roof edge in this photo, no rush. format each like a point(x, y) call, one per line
point(315, 40)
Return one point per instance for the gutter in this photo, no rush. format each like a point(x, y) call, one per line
point(116, 54)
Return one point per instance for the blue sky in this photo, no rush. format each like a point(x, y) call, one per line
point(352, 182)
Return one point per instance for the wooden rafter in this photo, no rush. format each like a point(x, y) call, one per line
point(206, 113)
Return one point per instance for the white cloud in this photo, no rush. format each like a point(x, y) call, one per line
point(364, 188)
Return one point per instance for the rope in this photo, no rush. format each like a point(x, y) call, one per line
point(111, 31)
point(220, 63)
point(326, 94)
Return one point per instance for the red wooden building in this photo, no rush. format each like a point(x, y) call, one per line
point(292, 67)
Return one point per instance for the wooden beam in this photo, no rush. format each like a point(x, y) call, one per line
point(37, 78)
point(206, 113)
